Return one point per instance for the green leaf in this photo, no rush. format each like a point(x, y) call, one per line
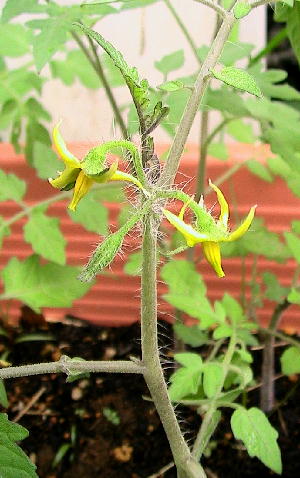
point(52, 36)
point(3, 396)
point(238, 79)
point(294, 296)
point(266, 79)
point(254, 429)
point(233, 52)
point(170, 62)
point(187, 379)
point(171, 86)
point(14, 8)
point(91, 214)
point(12, 187)
point(225, 100)
point(290, 360)
point(274, 290)
point(187, 291)
point(241, 9)
point(36, 133)
point(259, 169)
point(293, 26)
point(133, 265)
point(13, 461)
point(233, 309)
point(191, 335)
point(45, 237)
point(241, 131)
point(293, 243)
point(75, 65)
point(222, 332)
point(13, 40)
point(37, 285)
point(45, 161)
point(212, 378)
point(218, 150)
point(61, 452)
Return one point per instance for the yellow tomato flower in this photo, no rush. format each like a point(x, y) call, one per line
point(207, 231)
point(80, 175)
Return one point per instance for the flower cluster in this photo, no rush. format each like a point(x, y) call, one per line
point(206, 230)
point(81, 175)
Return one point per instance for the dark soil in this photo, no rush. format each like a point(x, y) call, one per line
point(134, 446)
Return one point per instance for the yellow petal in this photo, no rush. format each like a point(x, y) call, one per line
point(191, 236)
point(121, 176)
point(212, 254)
point(82, 186)
point(68, 158)
point(243, 228)
point(67, 177)
point(224, 213)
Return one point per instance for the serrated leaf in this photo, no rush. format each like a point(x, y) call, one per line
point(170, 62)
point(222, 331)
point(13, 40)
point(13, 461)
point(45, 161)
point(212, 379)
point(187, 291)
point(218, 150)
point(187, 379)
point(52, 36)
point(12, 187)
point(241, 9)
point(293, 243)
point(191, 335)
point(45, 237)
point(274, 290)
point(259, 169)
point(91, 214)
point(290, 360)
point(75, 65)
point(254, 429)
point(133, 265)
point(37, 285)
point(238, 79)
point(233, 309)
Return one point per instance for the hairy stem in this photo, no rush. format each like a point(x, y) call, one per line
point(72, 366)
point(202, 156)
point(191, 109)
point(150, 356)
point(96, 64)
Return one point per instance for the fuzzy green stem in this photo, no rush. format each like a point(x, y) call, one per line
point(192, 106)
point(150, 355)
point(202, 157)
point(96, 64)
point(70, 366)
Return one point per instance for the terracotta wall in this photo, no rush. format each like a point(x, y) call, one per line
point(114, 300)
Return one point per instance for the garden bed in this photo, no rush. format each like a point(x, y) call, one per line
point(116, 432)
